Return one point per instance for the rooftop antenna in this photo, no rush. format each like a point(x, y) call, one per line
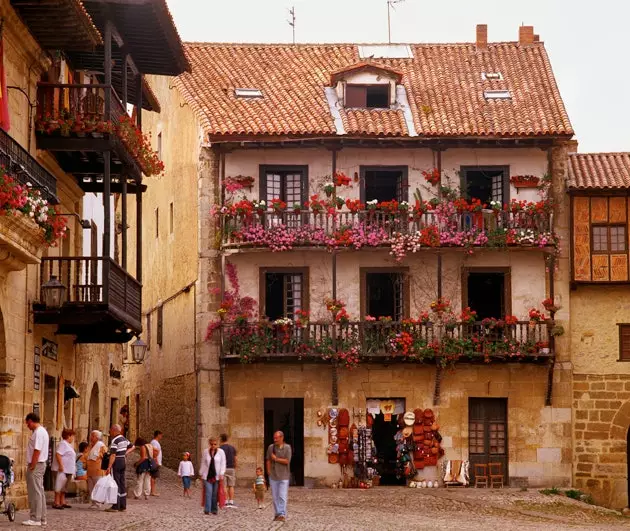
point(390, 6)
point(292, 21)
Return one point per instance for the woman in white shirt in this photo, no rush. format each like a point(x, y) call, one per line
point(65, 466)
point(211, 471)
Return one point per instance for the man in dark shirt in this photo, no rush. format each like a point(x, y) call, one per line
point(119, 447)
point(230, 469)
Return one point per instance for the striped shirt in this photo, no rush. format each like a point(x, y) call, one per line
point(119, 446)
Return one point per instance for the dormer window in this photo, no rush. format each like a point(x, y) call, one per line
point(367, 96)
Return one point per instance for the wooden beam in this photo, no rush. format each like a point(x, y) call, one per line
point(438, 383)
point(115, 188)
point(106, 207)
point(62, 143)
point(108, 69)
point(138, 232)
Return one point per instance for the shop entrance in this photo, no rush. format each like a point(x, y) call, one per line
point(287, 415)
point(383, 432)
point(487, 434)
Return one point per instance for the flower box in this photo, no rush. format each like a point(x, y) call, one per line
point(524, 181)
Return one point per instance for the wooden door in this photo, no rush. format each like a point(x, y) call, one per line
point(487, 433)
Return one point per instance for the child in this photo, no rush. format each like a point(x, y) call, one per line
point(186, 472)
point(81, 473)
point(259, 487)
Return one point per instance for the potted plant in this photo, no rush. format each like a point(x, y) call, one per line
point(524, 181)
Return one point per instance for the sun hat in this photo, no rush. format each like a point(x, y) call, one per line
point(409, 418)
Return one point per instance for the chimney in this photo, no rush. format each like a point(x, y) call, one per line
point(536, 37)
point(482, 37)
point(525, 35)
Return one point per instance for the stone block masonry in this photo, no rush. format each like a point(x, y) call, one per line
point(602, 415)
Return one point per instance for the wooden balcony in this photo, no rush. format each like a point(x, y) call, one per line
point(103, 302)
point(383, 342)
point(20, 164)
point(74, 125)
point(279, 231)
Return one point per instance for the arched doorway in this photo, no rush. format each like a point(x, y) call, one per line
point(94, 418)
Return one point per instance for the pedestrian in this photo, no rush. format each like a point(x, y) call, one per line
point(64, 464)
point(186, 471)
point(259, 486)
point(119, 448)
point(36, 457)
point(95, 454)
point(278, 460)
point(123, 420)
point(80, 477)
point(157, 455)
point(230, 469)
point(212, 471)
point(143, 469)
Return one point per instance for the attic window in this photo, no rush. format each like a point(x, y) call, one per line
point(491, 76)
point(385, 51)
point(367, 96)
point(248, 93)
point(497, 94)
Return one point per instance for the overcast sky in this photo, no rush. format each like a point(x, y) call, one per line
point(587, 41)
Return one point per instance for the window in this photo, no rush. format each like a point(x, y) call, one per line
point(283, 291)
point(491, 76)
point(170, 218)
point(384, 292)
point(384, 183)
point(609, 238)
point(624, 342)
point(486, 183)
point(159, 326)
point(288, 183)
point(157, 222)
point(159, 145)
point(248, 93)
point(487, 291)
point(497, 94)
point(367, 96)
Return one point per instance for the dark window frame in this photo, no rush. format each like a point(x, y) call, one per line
point(366, 87)
point(404, 181)
point(262, 285)
point(406, 295)
point(608, 238)
point(283, 170)
point(505, 188)
point(507, 287)
point(622, 327)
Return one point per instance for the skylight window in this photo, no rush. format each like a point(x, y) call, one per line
point(491, 76)
point(497, 94)
point(248, 93)
point(385, 51)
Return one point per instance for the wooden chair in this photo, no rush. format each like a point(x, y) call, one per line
point(496, 475)
point(481, 475)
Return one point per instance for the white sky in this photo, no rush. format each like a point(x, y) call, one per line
point(586, 40)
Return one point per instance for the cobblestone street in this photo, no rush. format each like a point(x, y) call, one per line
point(387, 508)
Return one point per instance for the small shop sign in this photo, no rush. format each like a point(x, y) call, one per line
point(49, 349)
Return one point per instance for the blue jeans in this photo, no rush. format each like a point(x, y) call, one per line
point(279, 493)
point(212, 491)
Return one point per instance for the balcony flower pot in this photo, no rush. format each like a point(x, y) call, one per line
point(524, 181)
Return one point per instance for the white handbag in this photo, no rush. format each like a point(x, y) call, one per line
point(105, 490)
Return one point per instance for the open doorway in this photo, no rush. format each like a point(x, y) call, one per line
point(383, 432)
point(287, 415)
point(49, 419)
point(384, 183)
point(384, 292)
point(487, 291)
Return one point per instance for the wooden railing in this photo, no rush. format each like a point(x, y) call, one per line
point(16, 160)
point(78, 100)
point(249, 341)
point(319, 226)
point(93, 281)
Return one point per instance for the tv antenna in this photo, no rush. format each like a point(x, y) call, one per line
point(292, 21)
point(390, 6)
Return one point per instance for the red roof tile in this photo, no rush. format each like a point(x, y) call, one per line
point(443, 83)
point(599, 171)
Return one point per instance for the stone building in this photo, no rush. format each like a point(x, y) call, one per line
point(600, 340)
point(404, 149)
point(69, 305)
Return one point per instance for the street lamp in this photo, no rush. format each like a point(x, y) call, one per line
point(53, 293)
point(138, 350)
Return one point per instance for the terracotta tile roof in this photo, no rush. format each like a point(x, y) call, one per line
point(373, 122)
point(443, 84)
point(599, 171)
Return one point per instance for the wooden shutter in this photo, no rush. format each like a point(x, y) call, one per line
point(356, 96)
point(159, 325)
point(402, 186)
point(624, 342)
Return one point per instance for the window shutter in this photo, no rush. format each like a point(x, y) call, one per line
point(624, 342)
point(403, 186)
point(356, 96)
point(262, 193)
point(149, 331)
point(159, 326)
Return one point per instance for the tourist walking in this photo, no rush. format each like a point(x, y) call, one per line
point(186, 471)
point(157, 455)
point(278, 460)
point(230, 469)
point(64, 463)
point(212, 471)
point(95, 454)
point(36, 456)
point(143, 469)
point(119, 447)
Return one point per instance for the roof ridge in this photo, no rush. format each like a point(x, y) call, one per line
point(591, 153)
point(323, 44)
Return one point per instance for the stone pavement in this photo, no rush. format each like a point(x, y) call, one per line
point(383, 508)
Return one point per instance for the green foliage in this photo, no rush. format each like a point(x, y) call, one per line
point(551, 491)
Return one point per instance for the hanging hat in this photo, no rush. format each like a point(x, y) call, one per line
point(428, 414)
point(409, 418)
point(388, 407)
